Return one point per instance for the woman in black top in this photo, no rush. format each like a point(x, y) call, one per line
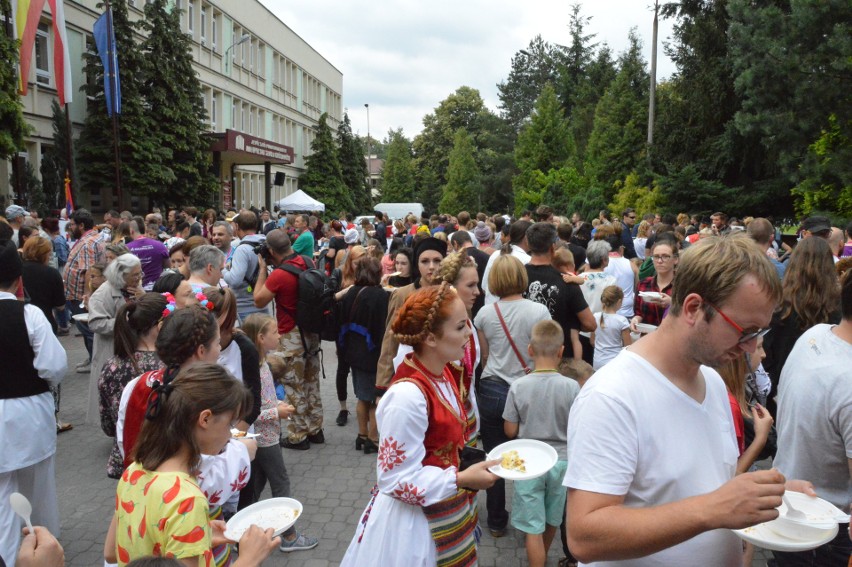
point(364, 311)
point(43, 283)
point(336, 246)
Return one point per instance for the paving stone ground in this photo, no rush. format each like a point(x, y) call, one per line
point(332, 481)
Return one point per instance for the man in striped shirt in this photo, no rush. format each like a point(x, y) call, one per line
point(88, 251)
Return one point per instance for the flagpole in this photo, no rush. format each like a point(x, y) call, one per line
point(112, 83)
point(69, 151)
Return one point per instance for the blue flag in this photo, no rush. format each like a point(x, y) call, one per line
point(105, 42)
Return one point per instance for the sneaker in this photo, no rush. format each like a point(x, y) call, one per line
point(63, 331)
point(84, 367)
point(302, 445)
point(496, 532)
point(318, 437)
point(301, 543)
point(342, 417)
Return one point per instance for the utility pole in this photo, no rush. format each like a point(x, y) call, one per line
point(369, 153)
point(653, 91)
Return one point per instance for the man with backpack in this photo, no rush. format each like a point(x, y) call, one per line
point(291, 285)
point(241, 268)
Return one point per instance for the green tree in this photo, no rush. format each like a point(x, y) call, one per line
point(432, 147)
point(792, 66)
point(12, 125)
point(32, 186)
point(398, 174)
point(323, 178)
point(143, 160)
point(176, 111)
point(353, 167)
point(617, 142)
point(52, 178)
point(545, 144)
point(827, 185)
point(464, 186)
point(532, 68)
point(631, 193)
point(599, 74)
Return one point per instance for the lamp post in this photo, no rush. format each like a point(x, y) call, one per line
point(245, 37)
point(369, 153)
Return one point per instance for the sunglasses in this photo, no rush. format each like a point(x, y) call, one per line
point(744, 336)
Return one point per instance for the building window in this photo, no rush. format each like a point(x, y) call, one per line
point(213, 111)
point(251, 55)
point(251, 120)
point(260, 62)
point(234, 114)
point(243, 118)
point(214, 34)
point(260, 130)
point(190, 16)
point(203, 25)
point(42, 55)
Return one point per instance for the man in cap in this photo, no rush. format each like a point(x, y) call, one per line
point(300, 350)
point(816, 226)
point(16, 214)
point(31, 360)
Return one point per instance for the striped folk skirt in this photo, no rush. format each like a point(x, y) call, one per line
point(455, 530)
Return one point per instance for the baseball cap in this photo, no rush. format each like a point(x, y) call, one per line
point(816, 224)
point(15, 211)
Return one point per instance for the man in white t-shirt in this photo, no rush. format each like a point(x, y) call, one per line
point(651, 445)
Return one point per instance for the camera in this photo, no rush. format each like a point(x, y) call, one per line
point(264, 251)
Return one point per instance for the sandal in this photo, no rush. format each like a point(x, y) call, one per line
point(63, 427)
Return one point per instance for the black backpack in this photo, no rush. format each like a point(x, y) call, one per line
point(315, 307)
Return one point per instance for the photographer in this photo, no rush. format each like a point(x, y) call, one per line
point(302, 374)
point(241, 268)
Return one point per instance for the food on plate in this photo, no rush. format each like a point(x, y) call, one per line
point(272, 518)
point(237, 433)
point(513, 462)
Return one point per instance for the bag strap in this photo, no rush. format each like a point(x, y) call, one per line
point(511, 342)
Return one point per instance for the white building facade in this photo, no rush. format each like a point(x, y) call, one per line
point(267, 94)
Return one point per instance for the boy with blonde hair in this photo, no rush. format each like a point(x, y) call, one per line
point(537, 407)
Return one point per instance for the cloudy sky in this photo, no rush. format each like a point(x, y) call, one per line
point(405, 56)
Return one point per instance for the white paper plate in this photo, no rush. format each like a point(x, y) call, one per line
point(82, 317)
point(763, 535)
point(645, 328)
point(650, 295)
point(539, 458)
point(276, 513)
point(819, 512)
point(235, 431)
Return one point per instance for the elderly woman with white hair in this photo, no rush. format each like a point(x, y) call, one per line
point(123, 284)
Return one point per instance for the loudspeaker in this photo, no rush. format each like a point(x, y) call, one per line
point(279, 178)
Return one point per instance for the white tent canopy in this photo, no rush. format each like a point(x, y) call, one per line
point(300, 201)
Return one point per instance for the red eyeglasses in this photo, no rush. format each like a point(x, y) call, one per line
point(744, 336)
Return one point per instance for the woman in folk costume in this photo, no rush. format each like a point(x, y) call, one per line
point(422, 509)
point(459, 270)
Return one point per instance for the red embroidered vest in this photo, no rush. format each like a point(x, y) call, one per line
point(134, 415)
point(445, 432)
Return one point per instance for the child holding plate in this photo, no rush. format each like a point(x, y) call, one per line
point(160, 509)
point(538, 504)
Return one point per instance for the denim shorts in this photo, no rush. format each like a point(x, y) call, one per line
point(364, 383)
point(540, 501)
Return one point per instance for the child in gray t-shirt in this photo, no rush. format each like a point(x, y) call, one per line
point(537, 407)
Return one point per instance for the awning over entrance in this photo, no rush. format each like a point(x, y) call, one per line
point(243, 149)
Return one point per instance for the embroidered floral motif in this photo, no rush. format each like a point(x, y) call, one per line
point(391, 454)
point(241, 481)
point(409, 494)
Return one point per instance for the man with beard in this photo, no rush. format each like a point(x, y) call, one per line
point(652, 451)
point(88, 251)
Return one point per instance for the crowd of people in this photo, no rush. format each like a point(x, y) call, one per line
point(661, 358)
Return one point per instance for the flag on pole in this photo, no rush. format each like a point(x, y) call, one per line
point(27, 16)
point(61, 56)
point(69, 201)
point(105, 42)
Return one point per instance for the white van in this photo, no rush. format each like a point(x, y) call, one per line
point(400, 210)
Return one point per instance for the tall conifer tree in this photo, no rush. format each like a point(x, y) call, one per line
point(323, 179)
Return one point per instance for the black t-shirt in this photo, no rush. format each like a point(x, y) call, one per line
point(564, 301)
point(45, 289)
point(335, 243)
point(579, 254)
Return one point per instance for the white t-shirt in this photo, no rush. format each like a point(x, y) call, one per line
point(518, 253)
point(608, 341)
point(814, 417)
point(620, 267)
point(632, 432)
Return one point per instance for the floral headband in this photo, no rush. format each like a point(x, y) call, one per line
point(171, 304)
